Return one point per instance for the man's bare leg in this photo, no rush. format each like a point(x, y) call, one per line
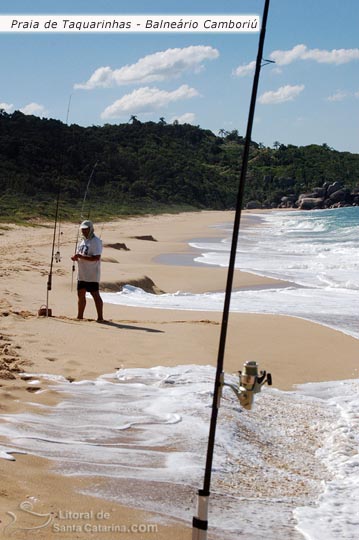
point(81, 294)
point(99, 305)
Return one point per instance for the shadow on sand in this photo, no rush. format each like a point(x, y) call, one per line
point(122, 326)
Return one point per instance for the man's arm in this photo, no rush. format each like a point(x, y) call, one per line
point(86, 257)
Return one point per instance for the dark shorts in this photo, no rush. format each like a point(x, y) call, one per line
point(90, 286)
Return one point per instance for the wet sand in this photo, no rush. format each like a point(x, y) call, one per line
point(294, 350)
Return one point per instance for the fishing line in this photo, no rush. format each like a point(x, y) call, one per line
point(101, 231)
point(87, 190)
point(68, 110)
point(81, 219)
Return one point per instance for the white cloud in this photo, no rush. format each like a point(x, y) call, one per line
point(147, 99)
point(243, 71)
point(35, 109)
point(7, 107)
point(186, 118)
point(340, 95)
point(159, 66)
point(283, 58)
point(322, 56)
point(101, 78)
point(284, 93)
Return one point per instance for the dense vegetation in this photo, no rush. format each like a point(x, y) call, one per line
point(145, 167)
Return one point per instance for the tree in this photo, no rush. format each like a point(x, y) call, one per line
point(141, 165)
point(222, 133)
point(134, 120)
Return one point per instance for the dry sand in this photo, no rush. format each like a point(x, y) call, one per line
point(293, 350)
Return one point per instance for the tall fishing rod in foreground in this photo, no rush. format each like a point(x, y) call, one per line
point(249, 381)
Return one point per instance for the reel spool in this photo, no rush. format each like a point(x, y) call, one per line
point(250, 382)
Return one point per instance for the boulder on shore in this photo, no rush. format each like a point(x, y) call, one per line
point(310, 203)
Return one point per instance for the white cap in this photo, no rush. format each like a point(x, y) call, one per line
point(86, 224)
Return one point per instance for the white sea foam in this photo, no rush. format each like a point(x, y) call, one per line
point(334, 307)
point(287, 469)
point(144, 432)
point(7, 453)
point(303, 247)
point(316, 251)
point(336, 514)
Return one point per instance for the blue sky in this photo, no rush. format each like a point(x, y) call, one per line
point(309, 95)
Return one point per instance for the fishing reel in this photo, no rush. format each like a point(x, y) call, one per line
point(57, 255)
point(250, 382)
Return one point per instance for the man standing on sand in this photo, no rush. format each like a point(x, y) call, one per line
point(88, 257)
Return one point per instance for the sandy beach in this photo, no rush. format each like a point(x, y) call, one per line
point(295, 351)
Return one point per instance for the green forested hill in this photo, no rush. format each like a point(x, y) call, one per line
point(150, 166)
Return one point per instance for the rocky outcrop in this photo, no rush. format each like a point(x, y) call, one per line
point(143, 282)
point(145, 237)
point(332, 195)
point(341, 195)
point(118, 245)
point(332, 188)
point(310, 203)
point(288, 201)
point(329, 195)
point(254, 205)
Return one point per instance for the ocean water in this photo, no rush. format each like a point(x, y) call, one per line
point(287, 469)
point(316, 251)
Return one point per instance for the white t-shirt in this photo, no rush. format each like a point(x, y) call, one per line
point(89, 270)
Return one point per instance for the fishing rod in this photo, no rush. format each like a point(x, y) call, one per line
point(57, 229)
point(47, 312)
point(57, 255)
point(68, 110)
point(200, 522)
point(81, 218)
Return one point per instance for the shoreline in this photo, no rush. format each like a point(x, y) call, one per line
point(171, 234)
point(295, 351)
point(259, 282)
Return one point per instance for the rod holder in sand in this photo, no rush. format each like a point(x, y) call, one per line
point(200, 522)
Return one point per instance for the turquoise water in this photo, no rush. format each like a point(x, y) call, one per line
point(317, 252)
point(287, 469)
point(317, 248)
